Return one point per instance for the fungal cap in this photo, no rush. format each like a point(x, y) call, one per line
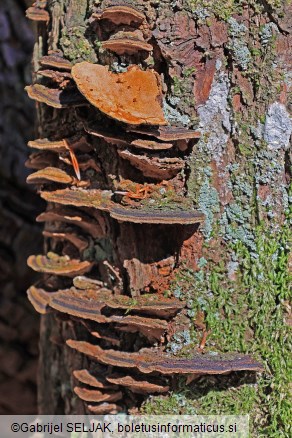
point(121, 15)
point(132, 97)
point(129, 46)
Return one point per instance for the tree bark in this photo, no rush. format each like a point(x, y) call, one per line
point(224, 71)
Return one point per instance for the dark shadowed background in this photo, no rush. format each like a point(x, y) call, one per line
point(19, 236)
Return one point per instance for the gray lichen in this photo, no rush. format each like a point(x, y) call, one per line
point(172, 115)
point(267, 33)
point(237, 45)
point(278, 127)
point(208, 203)
point(214, 117)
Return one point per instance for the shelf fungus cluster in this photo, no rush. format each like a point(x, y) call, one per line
point(115, 179)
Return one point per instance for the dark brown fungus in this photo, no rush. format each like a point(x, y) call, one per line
point(39, 298)
point(58, 265)
point(44, 144)
point(55, 97)
point(79, 242)
point(61, 78)
point(89, 304)
point(86, 377)
point(98, 199)
point(154, 167)
point(151, 305)
point(56, 61)
point(132, 97)
point(37, 14)
point(92, 395)
point(166, 133)
point(138, 386)
point(128, 46)
point(122, 139)
point(147, 216)
point(81, 282)
point(49, 174)
point(74, 303)
point(40, 160)
point(121, 15)
point(151, 145)
point(154, 360)
point(69, 216)
point(94, 298)
point(104, 408)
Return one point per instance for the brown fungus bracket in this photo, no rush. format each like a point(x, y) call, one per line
point(49, 174)
point(56, 61)
point(154, 167)
point(155, 360)
point(128, 46)
point(121, 138)
point(132, 97)
point(36, 13)
point(166, 133)
point(101, 200)
point(96, 396)
point(39, 298)
point(138, 386)
point(88, 378)
point(58, 265)
point(70, 217)
point(121, 15)
point(147, 216)
point(55, 97)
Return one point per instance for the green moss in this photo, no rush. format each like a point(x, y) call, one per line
point(222, 10)
point(247, 315)
point(76, 46)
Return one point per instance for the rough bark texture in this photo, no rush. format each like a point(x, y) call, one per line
point(224, 70)
point(19, 206)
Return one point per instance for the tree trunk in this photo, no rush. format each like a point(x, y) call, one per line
point(183, 232)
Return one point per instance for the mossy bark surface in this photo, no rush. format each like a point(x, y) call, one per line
point(225, 71)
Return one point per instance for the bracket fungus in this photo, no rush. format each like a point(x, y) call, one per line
point(154, 360)
point(36, 13)
point(79, 242)
point(86, 377)
point(132, 97)
point(69, 216)
point(138, 386)
point(166, 133)
point(121, 14)
point(56, 61)
point(58, 265)
point(99, 199)
point(147, 216)
point(154, 167)
point(39, 298)
point(92, 395)
point(121, 138)
point(55, 97)
point(49, 174)
point(129, 46)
